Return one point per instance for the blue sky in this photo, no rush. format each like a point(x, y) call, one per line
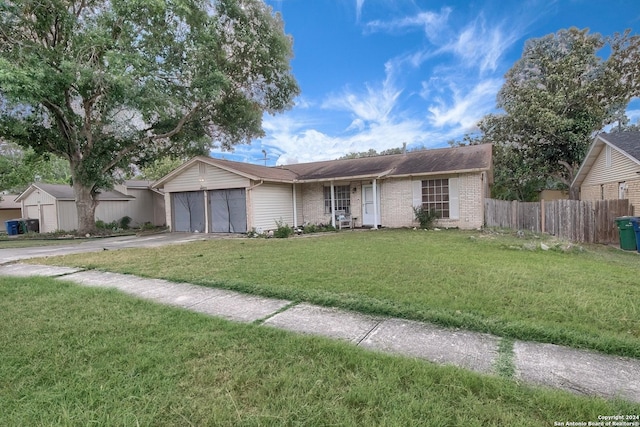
point(379, 73)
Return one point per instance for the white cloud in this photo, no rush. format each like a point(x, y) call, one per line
point(432, 23)
point(478, 46)
point(465, 108)
point(359, 4)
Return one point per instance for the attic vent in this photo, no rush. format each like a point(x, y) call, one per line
point(607, 156)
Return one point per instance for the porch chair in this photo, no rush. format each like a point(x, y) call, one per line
point(343, 220)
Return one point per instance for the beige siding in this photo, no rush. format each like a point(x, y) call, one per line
point(213, 178)
point(219, 179)
point(32, 212)
point(67, 216)
point(41, 206)
point(112, 210)
point(159, 218)
point(167, 210)
point(188, 180)
point(271, 203)
point(621, 169)
point(49, 221)
point(141, 209)
point(107, 211)
point(39, 197)
point(602, 180)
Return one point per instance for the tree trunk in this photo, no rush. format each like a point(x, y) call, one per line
point(86, 208)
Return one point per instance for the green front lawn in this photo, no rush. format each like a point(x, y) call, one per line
point(83, 356)
point(484, 281)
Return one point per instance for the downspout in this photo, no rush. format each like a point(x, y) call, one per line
point(333, 206)
point(295, 208)
point(375, 203)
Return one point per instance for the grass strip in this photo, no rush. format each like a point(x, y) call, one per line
point(583, 297)
point(78, 356)
point(505, 366)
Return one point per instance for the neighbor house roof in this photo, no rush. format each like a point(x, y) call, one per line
point(627, 143)
point(426, 162)
point(65, 192)
point(8, 201)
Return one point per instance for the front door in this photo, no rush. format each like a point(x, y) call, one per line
point(367, 205)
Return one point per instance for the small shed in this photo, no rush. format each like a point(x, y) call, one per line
point(54, 206)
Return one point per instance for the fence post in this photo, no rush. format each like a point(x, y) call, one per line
point(542, 216)
point(514, 215)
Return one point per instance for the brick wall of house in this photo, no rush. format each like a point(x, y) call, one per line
point(610, 191)
point(396, 203)
point(471, 201)
point(397, 200)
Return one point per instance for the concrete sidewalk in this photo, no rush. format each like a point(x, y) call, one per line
point(578, 371)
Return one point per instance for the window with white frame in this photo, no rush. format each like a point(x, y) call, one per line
point(435, 196)
point(342, 197)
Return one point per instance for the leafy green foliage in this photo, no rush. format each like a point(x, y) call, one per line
point(22, 167)
point(555, 97)
point(160, 167)
point(425, 217)
point(125, 222)
point(283, 230)
point(107, 84)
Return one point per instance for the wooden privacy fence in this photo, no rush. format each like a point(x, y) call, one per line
point(573, 220)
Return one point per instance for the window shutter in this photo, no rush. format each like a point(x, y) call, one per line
point(454, 199)
point(417, 193)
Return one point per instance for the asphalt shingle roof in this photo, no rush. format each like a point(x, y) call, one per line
point(65, 192)
point(629, 142)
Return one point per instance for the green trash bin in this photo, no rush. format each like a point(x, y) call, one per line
point(626, 232)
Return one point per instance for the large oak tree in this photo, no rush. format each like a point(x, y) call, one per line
point(106, 84)
point(555, 98)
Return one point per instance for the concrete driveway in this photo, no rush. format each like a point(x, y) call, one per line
point(109, 243)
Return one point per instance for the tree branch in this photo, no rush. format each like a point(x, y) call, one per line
point(177, 128)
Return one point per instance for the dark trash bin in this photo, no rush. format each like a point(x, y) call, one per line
point(32, 225)
point(635, 222)
point(12, 227)
point(626, 232)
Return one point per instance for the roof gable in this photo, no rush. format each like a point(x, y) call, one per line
point(65, 192)
point(627, 143)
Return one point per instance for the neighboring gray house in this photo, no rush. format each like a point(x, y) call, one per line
point(9, 208)
point(212, 195)
point(54, 205)
point(611, 169)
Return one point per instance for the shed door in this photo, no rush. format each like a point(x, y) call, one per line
point(188, 211)
point(228, 210)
